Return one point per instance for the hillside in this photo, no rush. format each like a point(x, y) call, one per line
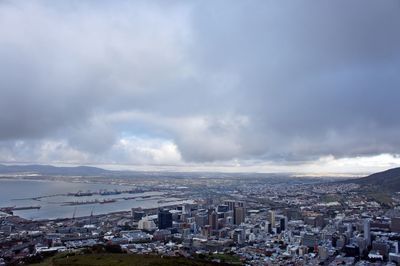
point(388, 180)
point(52, 170)
point(109, 259)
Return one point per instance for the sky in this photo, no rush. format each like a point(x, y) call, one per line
point(266, 86)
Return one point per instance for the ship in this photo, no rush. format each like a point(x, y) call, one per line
point(107, 192)
point(104, 201)
point(83, 194)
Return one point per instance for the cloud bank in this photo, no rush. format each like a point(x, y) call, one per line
point(199, 83)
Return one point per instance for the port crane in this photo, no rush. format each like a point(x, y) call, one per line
point(73, 214)
point(91, 214)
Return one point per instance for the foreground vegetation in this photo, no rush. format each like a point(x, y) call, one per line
point(119, 259)
point(97, 256)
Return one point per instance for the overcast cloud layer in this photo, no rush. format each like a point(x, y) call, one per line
point(189, 83)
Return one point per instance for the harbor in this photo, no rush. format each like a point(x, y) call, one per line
point(10, 210)
point(58, 199)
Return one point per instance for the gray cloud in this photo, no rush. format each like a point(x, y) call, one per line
point(220, 80)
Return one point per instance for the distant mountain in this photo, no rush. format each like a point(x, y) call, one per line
point(53, 170)
point(388, 180)
point(49, 170)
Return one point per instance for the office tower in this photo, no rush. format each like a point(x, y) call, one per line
point(267, 227)
point(186, 209)
point(137, 214)
point(238, 236)
point(213, 220)
point(223, 208)
point(164, 219)
point(146, 224)
point(238, 209)
point(283, 223)
point(272, 218)
point(239, 215)
point(232, 204)
point(201, 219)
point(367, 231)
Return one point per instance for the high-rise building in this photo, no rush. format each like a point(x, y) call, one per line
point(201, 219)
point(283, 223)
point(367, 232)
point(239, 215)
point(186, 209)
point(146, 224)
point(268, 227)
point(230, 204)
point(238, 209)
point(137, 214)
point(272, 218)
point(164, 219)
point(213, 220)
point(223, 208)
point(233, 203)
point(239, 236)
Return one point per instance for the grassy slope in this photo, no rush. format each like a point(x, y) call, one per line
point(120, 260)
point(388, 180)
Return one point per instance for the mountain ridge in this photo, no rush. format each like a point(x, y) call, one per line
point(388, 180)
point(50, 170)
point(53, 170)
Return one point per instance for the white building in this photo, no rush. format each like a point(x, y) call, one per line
point(146, 224)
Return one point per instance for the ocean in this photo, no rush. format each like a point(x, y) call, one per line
point(52, 196)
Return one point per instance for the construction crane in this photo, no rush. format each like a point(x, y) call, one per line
point(73, 215)
point(91, 214)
